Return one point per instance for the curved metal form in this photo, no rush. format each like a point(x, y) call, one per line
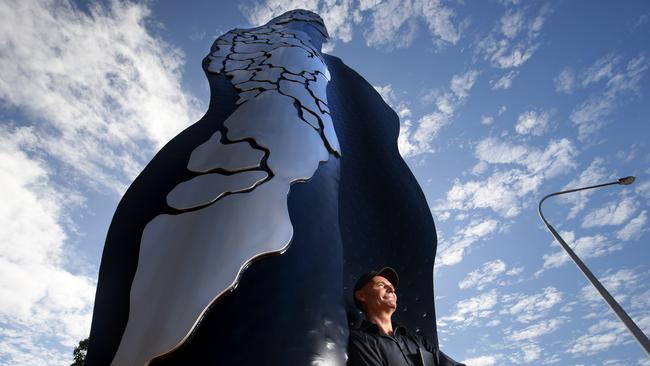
point(609, 299)
point(240, 241)
point(187, 262)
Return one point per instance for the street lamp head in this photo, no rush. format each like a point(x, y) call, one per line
point(626, 180)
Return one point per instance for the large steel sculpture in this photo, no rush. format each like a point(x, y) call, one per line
point(239, 243)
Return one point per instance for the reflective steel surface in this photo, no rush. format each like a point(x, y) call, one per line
point(189, 259)
point(207, 188)
point(213, 154)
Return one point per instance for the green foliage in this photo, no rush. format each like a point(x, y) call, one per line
point(79, 353)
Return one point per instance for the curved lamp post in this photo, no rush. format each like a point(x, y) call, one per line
point(629, 323)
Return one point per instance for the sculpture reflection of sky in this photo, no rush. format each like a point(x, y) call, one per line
point(500, 103)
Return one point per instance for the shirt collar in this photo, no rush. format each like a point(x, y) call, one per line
point(370, 327)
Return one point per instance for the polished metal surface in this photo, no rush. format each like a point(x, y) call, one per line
point(310, 118)
point(330, 134)
point(250, 85)
point(237, 64)
point(233, 157)
point(188, 260)
point(318, 87)
point(302, 60)
point(268, 74)
point(251, 47)
point(245, 56)
point(245, 96)
point(298, 78)
point(273, 122)
point(208, 188)
point(301, 94)
point(240, 76)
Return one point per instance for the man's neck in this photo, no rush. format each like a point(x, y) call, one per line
point(383, 321)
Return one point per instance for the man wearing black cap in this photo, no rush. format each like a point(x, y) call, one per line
point(379, 341)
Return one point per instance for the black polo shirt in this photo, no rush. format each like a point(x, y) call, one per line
point(368, 346)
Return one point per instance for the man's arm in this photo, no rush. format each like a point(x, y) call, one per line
point(441, 357)
point(361, 353)
point(447, 361)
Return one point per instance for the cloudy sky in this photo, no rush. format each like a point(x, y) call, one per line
point(500, 102)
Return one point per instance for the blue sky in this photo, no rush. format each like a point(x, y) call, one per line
point(501, 102)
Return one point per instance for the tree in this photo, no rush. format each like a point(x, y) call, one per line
point(79, 353)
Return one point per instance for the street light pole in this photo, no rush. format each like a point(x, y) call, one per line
point(629, 323)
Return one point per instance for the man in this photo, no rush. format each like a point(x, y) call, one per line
point(379, 341)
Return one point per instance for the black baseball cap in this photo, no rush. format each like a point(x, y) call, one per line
point(386, 272)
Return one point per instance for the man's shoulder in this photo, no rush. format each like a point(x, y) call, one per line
point(406, 331)
point(360, 333)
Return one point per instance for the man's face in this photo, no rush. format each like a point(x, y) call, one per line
point(378, 295)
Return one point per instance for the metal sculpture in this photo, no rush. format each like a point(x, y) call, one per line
point(217, 256)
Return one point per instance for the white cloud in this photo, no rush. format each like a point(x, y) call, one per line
point(525, 354)
point(512, 23)
point(444, 216)
point(440, 20)
point(603, 68)
point(405, 144)
point(536, 330)
point(613, 213)
point(643, 189)
point(487, 120)
point(393, 23)
point(557, 158)
point(480, 168)
point(629, 154)
point(590, 115)
point(565, 81)
point(496, 193)
point(594, 113)
point(389, 24)
point(501, 54)
point(452, 252)
point(398, 105)
point(487, 274)
point(414, 140)
point(103, 92)
point(614, 282)
point(96, 95)
point(481, 277)
point(504, 191)
point(513, 41)
point(462, 83)
point(494, 151)
point(634, 228)
point(504, 82)
point(338, 16)
point(585, 247)
point(526, 308)
point(640, 301)
point(613, 363)
point(595, 173)
point(531, 352)
point(41, 302)
point(481, 361)
point(533, 123)
point(470, 311)
point(600, 337)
